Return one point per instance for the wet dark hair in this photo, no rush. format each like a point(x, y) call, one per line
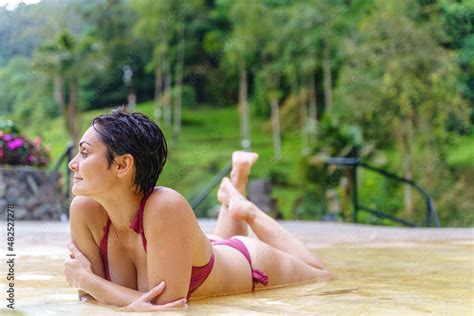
point(135, 134)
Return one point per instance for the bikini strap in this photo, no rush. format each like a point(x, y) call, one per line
point(137, 226)
point(137, 223)
point(257, 275)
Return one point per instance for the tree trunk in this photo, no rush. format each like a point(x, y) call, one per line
point(408, 166)
point(58, 92)
point(72, 117)
point(243, 107)
point(132, 100)
point(304, 121)
point(327, 74)
point(313, 110)
point(167, 88)
point(276, 126)
point(179, 81)
point(158, 86)
point(131, 97)
point(294, 84)
point(347, 182)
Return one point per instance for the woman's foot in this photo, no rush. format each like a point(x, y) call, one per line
point(242, 162)
point(239, 207)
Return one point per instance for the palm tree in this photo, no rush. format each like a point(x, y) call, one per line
point(67, 61)
point(242, 43)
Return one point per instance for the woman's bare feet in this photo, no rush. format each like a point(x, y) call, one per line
point(229, 225)
point(242, 162)
point(239, 207)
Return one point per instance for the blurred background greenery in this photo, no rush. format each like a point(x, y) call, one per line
point(391, 82)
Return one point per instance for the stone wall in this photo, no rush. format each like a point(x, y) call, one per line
point(36, 195)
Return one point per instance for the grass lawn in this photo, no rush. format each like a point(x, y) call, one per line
point(462, 155)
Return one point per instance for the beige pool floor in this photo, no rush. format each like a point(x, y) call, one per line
point(378, 271)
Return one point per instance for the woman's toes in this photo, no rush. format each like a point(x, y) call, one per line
point(253, 157)
point(223, 192)
point(226, 181)
point(244, 158)
point(222, 198)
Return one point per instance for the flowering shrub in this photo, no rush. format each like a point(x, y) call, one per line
point(16, 150)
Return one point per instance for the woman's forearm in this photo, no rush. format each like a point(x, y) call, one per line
point(107, 292)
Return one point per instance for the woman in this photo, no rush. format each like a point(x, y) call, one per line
point(129, 238)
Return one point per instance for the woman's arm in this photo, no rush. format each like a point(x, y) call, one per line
point(79, 275)
point(107, 292)
point(170, 228)
point(82, 212)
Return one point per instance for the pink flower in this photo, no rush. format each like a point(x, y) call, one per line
point(1, 152)
point(37, 141)
point(31, 158)
point(8, 137)
point(1, 133)
point(15, 144)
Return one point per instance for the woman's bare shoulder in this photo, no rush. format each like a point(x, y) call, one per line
point(164, 195)
point(166, 201)
point(88, 212)
point(86, 207)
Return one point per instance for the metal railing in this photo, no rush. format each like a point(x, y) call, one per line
point(431, 214)
point(201, 196)
point(67, 154)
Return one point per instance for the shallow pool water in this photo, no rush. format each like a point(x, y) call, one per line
point(374, 278)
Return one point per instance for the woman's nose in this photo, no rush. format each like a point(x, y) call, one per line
point(72, 165)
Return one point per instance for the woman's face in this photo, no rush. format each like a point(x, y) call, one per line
point(91, 176)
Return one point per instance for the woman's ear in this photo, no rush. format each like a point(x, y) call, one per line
point(124, 165)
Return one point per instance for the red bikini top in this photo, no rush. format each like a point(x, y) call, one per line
point(198, 274)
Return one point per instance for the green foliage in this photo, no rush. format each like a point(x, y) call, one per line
point(311, 206)
point(399, 73)
point(462, 151)
point(8, 127)
point(188, 96)
point(334, 140)
point(380, 193)
point(24, 90)
point(457, 19)
point(402, 76)
point(370, 219)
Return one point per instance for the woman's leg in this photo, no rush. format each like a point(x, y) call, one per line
point(266, 228)
point(228, 226)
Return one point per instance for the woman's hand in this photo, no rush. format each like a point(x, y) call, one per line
point(143, 304)
point(76, 267)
